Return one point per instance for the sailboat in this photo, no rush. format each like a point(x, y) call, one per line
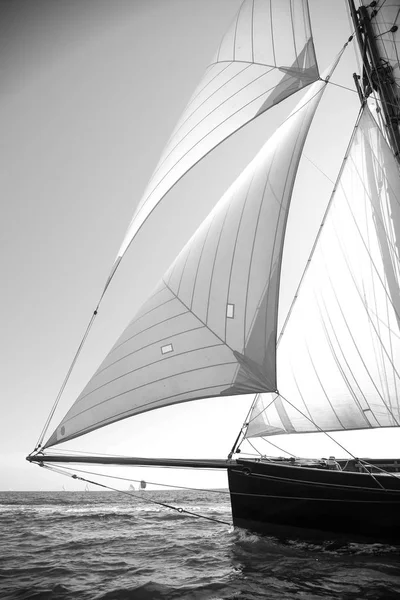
point(210, 328)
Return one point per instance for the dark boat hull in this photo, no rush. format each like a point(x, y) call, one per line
point(314, 503)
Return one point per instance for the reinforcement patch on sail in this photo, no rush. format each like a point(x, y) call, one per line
point(266, 55)
point(338, 360)
point(209, 328)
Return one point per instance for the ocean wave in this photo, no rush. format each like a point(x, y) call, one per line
point(103, 549)
point(157, 591)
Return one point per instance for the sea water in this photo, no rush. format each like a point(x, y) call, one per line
point(106, 546)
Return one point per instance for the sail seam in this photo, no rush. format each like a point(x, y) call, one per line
point(325, 216)
point(197, 93)
point(293, 34)
point(216, 253)
point(197, 269)
point(236, 28)
point(267, 182)
point(136, 320)
point(199, 319)
point(382, 223)
point(189, 253)
point(197, 123)
point(322, 386)
point(128, 413)
point(342, 372)
point(244, 204)
point(205, 136)
point(377, 336)
point(161, 360)
point(301, 396)
point(370, 258)
point(341, 368)
point(150, 327)
point(157, 342)
point(357, 349)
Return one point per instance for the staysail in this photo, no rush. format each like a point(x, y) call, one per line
point(209, 328)
point(255, 67)
point(339, 357)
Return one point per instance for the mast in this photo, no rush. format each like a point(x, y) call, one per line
point(378, 73)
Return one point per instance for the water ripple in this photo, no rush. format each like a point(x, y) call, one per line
point(99, 546)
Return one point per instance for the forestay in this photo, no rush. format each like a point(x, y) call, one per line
point(266, 55)
point(209, 328)
point(339, 357)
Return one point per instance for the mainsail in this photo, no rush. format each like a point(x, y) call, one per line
point(209, 328)
point(338, 361)
point(256, 66)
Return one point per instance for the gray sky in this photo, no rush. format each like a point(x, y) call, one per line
point(90, 91)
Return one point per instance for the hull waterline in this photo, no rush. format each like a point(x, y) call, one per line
point(314, 503)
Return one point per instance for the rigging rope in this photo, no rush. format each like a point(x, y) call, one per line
point(131, 495)
point(333, 439)
point(362, 462)
point(274, 445)
point(128, 479)
point(77, 353)
point(64, 383)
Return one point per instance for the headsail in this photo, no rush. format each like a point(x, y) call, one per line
point(338, 361)
point(256, 66)
point(209, 328)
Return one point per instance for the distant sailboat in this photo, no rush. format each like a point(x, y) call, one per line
point(210, 328)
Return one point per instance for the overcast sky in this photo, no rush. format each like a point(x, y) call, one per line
point(90, 91)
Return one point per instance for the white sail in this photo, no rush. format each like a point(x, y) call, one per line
point(209, 329)
point(339, 357)
point(256, 66)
